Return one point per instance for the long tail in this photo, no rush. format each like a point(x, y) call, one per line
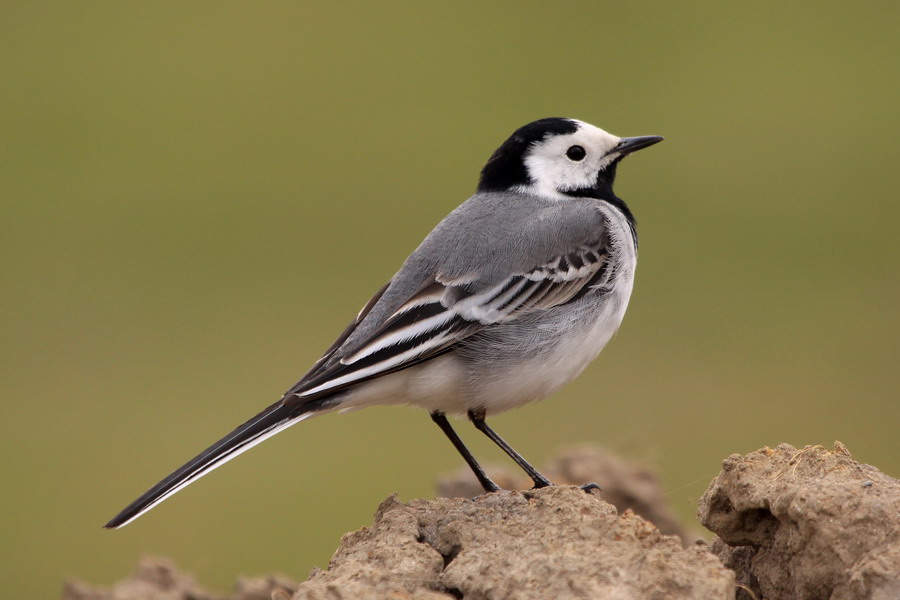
point(272, 420)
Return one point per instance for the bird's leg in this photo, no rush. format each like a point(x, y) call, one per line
point(485, 481)
point(477, 418)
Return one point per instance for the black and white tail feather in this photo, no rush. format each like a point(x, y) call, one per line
point(274, 419)
point(543, 245)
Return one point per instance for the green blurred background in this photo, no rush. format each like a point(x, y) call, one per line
point(197, 197)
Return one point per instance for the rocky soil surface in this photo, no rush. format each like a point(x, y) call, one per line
point(810, 523)
point(791, 524)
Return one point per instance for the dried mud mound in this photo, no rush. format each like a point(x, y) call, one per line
point(557, 542)
point(806, 524)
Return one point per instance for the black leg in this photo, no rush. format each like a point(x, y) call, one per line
point(477, 419)
point(485, 481)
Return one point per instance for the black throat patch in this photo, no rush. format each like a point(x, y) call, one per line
point(603, 190)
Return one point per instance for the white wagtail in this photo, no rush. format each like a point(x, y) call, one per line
point(507, 299)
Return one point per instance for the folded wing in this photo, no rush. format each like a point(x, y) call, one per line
point(445, 311)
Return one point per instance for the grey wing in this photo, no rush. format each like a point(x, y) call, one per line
point(447, 310)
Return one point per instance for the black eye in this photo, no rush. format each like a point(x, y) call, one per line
point(576, 153)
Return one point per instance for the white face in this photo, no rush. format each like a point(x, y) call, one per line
point(555, 169)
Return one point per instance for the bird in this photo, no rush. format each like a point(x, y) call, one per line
point(508, 298)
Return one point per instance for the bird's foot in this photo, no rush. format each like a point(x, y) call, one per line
point(590, 487)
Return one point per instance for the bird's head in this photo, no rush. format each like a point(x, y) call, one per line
point(559, 158)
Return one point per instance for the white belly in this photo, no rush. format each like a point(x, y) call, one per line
point(543, 375)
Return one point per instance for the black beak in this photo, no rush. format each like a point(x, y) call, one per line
point(632, 144)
